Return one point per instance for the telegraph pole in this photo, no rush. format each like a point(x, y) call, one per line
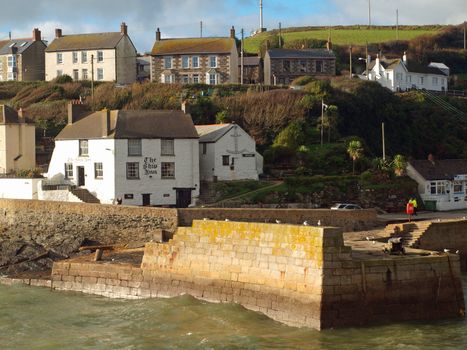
point(350, 60)
point(241, 60)
point(369, 14)
point(322, 122)
point(465, 47)
point(366, 62)
point(397, 24)
point(92, 78)
point(384, 142)
point(201, 29)
point(280, 35)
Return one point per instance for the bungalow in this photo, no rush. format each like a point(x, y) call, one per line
point(227, 153)
point(133, 157)
point(442, 184)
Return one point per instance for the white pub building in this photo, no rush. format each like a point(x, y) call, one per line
point(128, 157)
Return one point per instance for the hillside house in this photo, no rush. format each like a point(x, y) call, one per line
point(17, 141)
point(282, 66)
point(98, 56)
point(195, 60)
point(252, 70)
point(227, 152)
point(23, 59)
point(141, 157)
point(403, 74)
point(442, 184)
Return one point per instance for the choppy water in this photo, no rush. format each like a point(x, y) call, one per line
point(36, 318)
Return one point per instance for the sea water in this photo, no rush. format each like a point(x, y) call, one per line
point(38, 318)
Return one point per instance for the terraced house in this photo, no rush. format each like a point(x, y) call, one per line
point(282, 66)
point(23, 59)
point(195, 60)
point(98, 56)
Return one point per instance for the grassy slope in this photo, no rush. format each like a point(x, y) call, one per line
point(352, 36)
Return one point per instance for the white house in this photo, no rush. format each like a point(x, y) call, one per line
point(442, 184)
point(403, 74)
point(17, 141)
point(98, 56)
point(142, 157)
point(227, 152)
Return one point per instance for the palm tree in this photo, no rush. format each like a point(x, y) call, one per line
point(355, 151)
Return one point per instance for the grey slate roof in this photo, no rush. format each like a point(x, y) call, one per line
point(306, 53)
point(444, 169)
point(212, 132)
point(5, 46)
point(129, 124)
point(93, 41)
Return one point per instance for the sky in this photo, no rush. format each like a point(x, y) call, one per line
point(181, 18)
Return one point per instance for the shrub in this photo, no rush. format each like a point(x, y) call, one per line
point(63, 79)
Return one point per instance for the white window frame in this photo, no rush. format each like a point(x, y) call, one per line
point(84, 74)
point(132, 170)
point(12, 61)
point(168, 59)
point(75, 74)
point(167, 79)
point(209, 79)
point(69, 171)
point(98, 170)
point(135, 148)
point(100, 56)
point(167, 147)
point(100, 74)
point(185, 62)
point(74, 55)
point(185, 79)
point(435, 81)
point(195, 79)
point(83, 148)
point(59, 58)
point(167, 170)
point(84, 57)
point(193, 60)
point(215, 62)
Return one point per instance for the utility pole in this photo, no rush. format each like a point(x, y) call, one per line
point(280, 35)
point(369, 14)
point(350, 60)
point(465, 47)
point(397, 24)
point(201, 29)
point(384, 142)
point(241, 60)
point(92, 78)
point(366, 62)
point(322, 122)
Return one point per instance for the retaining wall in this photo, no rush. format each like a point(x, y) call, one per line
point(298, 275)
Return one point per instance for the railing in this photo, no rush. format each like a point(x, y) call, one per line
point(56, 186)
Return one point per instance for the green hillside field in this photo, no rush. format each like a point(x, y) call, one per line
point(343, 36)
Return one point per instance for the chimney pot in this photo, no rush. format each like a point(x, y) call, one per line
point(232, 32)
point(58, 33)
point(36, 35)
point(124, 28)
point(158, 35)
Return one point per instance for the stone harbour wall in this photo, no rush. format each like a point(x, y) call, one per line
point(298, 275)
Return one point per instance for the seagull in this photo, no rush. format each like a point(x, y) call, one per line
point(205, 219)
point(446, 250)
point(278, 221)
point(305, 223)
point(227, 220)
point(319, 222)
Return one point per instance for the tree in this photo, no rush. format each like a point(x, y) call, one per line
point(330, 120)
point(399, 164)
point(355, 151)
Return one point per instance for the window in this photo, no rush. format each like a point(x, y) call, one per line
point(11, 76)
point(195, 61)
point(75, 74)
point(132, 170)
point(422, 79)
point(409, 78)
point(59, 58)
point(319, 66)
point(59, 73)
point(12, 61)
point(168, 62)
point(185, 79)
point(68, 170)
point(83, 148)
point(100, 56)
point(167, 170)
point(195, 78)
point(213, 61)
point(185, 62)
point(98, 171)
point(205, 148)
point(457, 188)
point(84, 57)
point(302, 66)
point(226, 160)
point(84, 74)
point(440, 188)
point(167, 147)
point(212, 78)
point(100, 73)
point(399, 76)
point(134, 147)
point(286, 66)
point(387, 76)
point(435, 81)
point(75, 57)
point(167, 78)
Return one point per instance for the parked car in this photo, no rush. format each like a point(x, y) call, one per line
point(345, 206)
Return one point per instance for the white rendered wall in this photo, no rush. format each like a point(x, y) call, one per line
point(19, 188)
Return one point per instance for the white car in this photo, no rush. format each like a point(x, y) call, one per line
point(345, 206)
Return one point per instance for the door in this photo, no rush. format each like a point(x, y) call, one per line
point(183, 197)
point(81, 176)
point(146, 199)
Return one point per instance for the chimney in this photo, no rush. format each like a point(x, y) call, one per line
point(105, 120)
point(232, 32)
point(158, 35)
point(329, 44)
point(185, 107)
point(76, 109)
point(377, 61)
point(58, 33)
point(404, 57)
point(36, 35)
point(21, 118)
point(124, 28)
